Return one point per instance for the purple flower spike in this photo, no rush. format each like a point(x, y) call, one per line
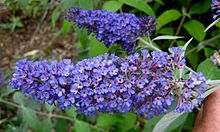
point(110, 27)
point(111, 84)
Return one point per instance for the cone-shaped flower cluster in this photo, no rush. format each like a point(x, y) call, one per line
point(216, 9)
point(110, 27)
point(141, 83)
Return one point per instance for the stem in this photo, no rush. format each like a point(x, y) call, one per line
point(121, 10)
point(51, 115)
point(40, 113)
point(181, 21)
point(178, 29)
point(191, 70)
point(203, 44)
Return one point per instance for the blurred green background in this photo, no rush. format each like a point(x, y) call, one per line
point(36, 29)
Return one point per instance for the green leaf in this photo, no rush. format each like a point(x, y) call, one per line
point(208, 52)
point(189, 123)
point(180, 43)
point(165, 122)
point(112, 5)
point(81, 126)
point(96, 3)
point(210, 71)
point(86, 4)
point(167, 17)
point(83, 37)
point(196, 29)
point(61, 125)
point(167, 31)
point(71, 112)
point(140, 5)
point(106, 121)
point(200, 7)
point(55, 16)
point(19, 98)
point(193, 58)
point(46, 125)
point(178, 122)
point(160, 2)
point(24, 3)
point(218, 23)
point(96, 47)
point(149, 124)
point(127, 122)
point(209, 91)
point(69, 3)
point(167, 37)
point(50, 108)
point(5, 91)
point(66, 27)
point(30, 117)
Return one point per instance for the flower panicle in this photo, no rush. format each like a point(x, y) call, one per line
point(142, 83)
point(110, 27)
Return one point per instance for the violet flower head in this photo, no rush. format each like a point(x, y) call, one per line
point(142, 83)
point(215, 6)
point(110, 27)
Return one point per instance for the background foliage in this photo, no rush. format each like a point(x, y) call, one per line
point(175, 17)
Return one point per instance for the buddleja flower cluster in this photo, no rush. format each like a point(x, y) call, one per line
point(216, 9)
point(110, 27)
point(143, 83)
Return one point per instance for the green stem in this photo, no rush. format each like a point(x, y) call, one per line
point(203, 44)
point(190, 69)
point(181, 21)
point(178, 29)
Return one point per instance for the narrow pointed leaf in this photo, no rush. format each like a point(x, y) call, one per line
point(167, 37)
